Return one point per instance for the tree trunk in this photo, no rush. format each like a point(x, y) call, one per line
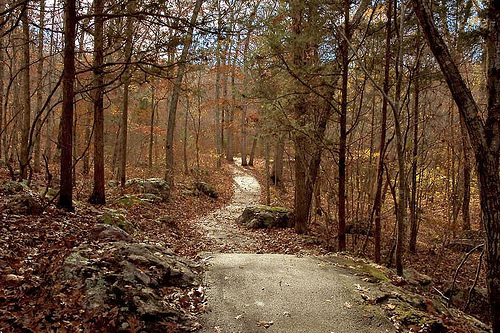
point(485, 137)
point(40, 87)
point(151, 133)
point(66, 192)
point(2, 111)
point(184, 139)
point(413, 201)
point(230, 128)
point(343, 130)
point(252, 151)
point(98, 196)
point(169, 173)
point(466, 176)
point(277, 170)
point(401, 216)
point(268, 176)
point(377, 205)
point(218, 138)
point(50, 116)
point(122, 168)
point(26, 115)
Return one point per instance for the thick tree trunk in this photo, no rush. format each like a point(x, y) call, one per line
point(254, 146)
point(26, 115)
point(277, 169)
point(169, 173)
point(485, 137)
point(66, 191)
point(98, 195)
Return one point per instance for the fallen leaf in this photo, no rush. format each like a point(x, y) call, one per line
point(265, 324)
point(348, 305)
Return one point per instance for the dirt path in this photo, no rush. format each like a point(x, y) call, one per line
point(220, 226)
point(274, 292)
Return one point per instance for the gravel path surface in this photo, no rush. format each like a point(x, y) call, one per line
point(275, 292)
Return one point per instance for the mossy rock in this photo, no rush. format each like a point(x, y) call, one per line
point(266, 217)
point(206, 189)
point(156, 186)
point(25, 204)
point(129, 278)
point(167, 221)
point(13, 187)
point(117, 218)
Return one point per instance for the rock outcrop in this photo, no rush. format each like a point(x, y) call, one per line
point(266, 217)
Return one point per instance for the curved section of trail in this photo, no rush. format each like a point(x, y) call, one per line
point(220, 225)
point(275, 292)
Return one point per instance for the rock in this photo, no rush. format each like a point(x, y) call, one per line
point(129, 278)
point(415, 278)
point(463, 245)
point(112, 183)
point(25, 204)
point(110, 233)
point(167, 221)
point(206, 189)
point(156, 186)
point(266, 217)
point(13, 187)
point(117, 218)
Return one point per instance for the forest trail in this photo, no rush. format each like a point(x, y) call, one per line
point(250, 292)
point(220, 226)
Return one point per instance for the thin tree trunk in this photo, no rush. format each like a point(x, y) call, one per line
point(66, 189)
point(151, 133)
point(185, 136)
point(217, 106)
point(230, 128)
point(26, 115)
point(343, 130)
point(169, 173)
point(40, 87)
point(2, 66)
point(467, 175)
point(50, 117)
point(413, 201)
point(401, 216)
point(122, 168)
point(268, 175)
point(98, 195)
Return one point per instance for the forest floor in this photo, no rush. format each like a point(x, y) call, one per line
point(33, 247)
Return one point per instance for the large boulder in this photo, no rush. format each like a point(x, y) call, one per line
point(266, 217)
point(109, 233)
point(129, 279)
point(156, 186)
point(13, 187)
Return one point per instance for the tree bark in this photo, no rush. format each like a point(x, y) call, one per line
point(218, 139)
point(377, 205)
point(344, 51)
point(277, 169)
point(401, 215)
point(40, 87)
point(151, 133)
point(66, 190)
point(169, 173)
point(98, 196)
point(122, 168)
point(26, 115)
point(413, 201)
point(466, 147)
point(485, 137)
